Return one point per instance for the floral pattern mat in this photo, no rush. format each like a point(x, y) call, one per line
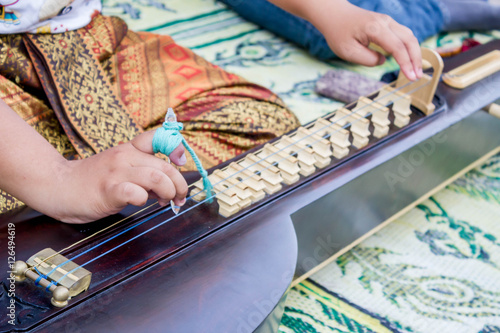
point(436, 269)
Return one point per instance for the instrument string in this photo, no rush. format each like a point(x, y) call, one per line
point(203, 201)
point(94, 234)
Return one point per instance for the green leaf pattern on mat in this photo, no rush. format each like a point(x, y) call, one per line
point(435, 269)
point(482, 183)
point(458, 238)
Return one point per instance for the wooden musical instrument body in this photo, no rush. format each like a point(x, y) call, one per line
point(200, 271)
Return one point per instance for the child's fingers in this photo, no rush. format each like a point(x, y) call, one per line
point(127, 193)
point(360, 54)
point(152, 179)
point(144, 142)
point(147, 161)
point(178, 156)
point(412, 46)
point(390, 42)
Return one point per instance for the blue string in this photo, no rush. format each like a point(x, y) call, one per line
point(37, 280)
point(46, 277)
point(167, 138)
point(40, 276)
point(48, 286)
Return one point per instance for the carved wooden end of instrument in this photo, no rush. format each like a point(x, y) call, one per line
point(316, 145)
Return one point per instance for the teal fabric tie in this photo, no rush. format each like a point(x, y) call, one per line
point(168, 137)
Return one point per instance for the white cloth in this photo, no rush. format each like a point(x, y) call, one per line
point(46, 16)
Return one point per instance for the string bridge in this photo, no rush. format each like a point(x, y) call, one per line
point(56, 274)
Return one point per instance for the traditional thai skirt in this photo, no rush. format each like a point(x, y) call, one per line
point(99, 86)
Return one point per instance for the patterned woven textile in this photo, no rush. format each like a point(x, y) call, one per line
point(435, 269)
point(94, 88)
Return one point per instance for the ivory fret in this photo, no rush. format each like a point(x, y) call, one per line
point(340, 142)
point(401, 104)
point(339, 137)
point(360, 131)
point(254, 182)
point(341, 117)
point(241, 189)
point(288, 165)
point(227, 210)
point(221, 186)
point(359, 125)
point(197, 192)
point(322, 128)
point(305, 138)
point(305, 155)
point(379, 116)
point(364, 107)
point(269, 173)
point(227, 198)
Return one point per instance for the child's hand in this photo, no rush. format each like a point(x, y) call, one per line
point(84, 190)
point(105, 183)
point(349, 30)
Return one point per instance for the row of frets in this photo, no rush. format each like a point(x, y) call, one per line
point(246, 181)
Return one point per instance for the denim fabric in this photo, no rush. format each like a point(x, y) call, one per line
point(423, 17)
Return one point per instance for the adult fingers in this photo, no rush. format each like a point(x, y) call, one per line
point(181, 187)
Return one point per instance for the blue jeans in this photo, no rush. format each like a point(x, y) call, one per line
point(423, 17)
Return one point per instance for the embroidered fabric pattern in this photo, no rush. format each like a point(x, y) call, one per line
point(106, 84)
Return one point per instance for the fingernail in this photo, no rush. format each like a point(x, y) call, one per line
point(182, 202)
point(412, 75)
point(420, 72)
point(183, 159)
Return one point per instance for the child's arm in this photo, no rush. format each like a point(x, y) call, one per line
point(82, 190)
point(349, 30)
